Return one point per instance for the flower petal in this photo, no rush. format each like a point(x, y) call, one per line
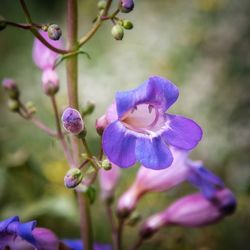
point(4, 224)
point(156, 91)
point(119, 145)
point(182, 132)
point(25, 231)
point(205, 180)
point(153, 153)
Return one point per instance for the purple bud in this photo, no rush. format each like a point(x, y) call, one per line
point(10, 86)
point(73, 178)
point(72, 121)
point(101, 124)
point(50, 82)
point(126, 5)
point(54, 32)
point(192, 211)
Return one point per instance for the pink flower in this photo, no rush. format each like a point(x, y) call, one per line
point(182, 169)
point(108, 181)
point(192, 211)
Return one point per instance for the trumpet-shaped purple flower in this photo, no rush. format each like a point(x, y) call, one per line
point(182, 169)
point(192, 211)
point(142, 131)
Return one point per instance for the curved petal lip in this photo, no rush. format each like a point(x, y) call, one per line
point(182, 132)
point(119, 145)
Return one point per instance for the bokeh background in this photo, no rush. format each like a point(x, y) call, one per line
point(201, 45)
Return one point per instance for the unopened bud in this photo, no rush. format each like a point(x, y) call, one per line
point(31, 107)
point(72, 121)
point(3, 23)
point(13, 105)
point(106, 165)
point(54, 32)
point(128, 25)
point(50, 82)
point(134, 219)
point(11, 87)
point(126, 6)
point(101, 124)
point(73, 178)
point(117, 32)
point(89, 109)
point(101, 4)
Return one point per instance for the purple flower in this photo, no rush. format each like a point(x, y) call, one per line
point(77, 245)
point(44, 57)
point(24, 236)
point(143, 131)
point(108, 181)
point(192, 211)
point(181, 169)
point(72, 121)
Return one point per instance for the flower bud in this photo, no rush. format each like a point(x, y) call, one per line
point(54, 32)
point(89, 109)
point(3, 23)
point(72, 121)
point(50, 82)
point(11, 87)
point(134, 219)
point(101, 124)
point(101, 4)
point(126, 6)
point(106, 165)
point(73, 178)
point(13, 105)
point(117, 32)
point(128, 25)
point(192, 211)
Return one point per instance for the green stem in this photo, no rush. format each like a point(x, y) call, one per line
point(72, 86)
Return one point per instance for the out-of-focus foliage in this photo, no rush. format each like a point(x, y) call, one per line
point(201, 45)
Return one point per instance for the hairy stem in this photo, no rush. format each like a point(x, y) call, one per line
point(119, 234)
point(72, 86)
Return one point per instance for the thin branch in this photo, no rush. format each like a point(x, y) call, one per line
point(60, 134)
point(119, 234)
point(96, 25)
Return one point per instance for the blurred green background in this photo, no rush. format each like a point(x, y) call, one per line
point(201, 45)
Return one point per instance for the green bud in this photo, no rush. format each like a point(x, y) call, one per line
point(3, 23)
point(31, 108)
point(45, 27)
point(73, 178)
point(91, 193)
point(106, 165)
point(54, 32)
point(117, 32)
point(13, 105)
point(101, 4)
point(89, 109)
point(134, 219)
point(128, 25)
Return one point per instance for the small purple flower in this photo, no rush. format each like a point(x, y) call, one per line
point(9, 84)
point(72, 121)
point(77, 245)
point(108, 181)
point(24, 236)
point(44, 57)
point(143, 131)
point(182, 169)
point(192, 211)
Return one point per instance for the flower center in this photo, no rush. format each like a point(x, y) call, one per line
point(142, 118)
